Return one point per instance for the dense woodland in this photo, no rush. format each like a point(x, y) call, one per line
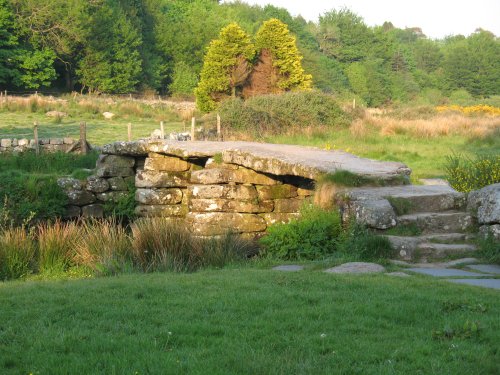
point(123, 46)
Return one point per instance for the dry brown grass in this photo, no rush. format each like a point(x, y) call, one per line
point(436, 126)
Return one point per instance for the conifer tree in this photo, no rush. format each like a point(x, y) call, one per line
point(274, 37)
point(226, 66)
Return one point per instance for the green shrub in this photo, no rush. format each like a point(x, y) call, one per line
point(471, 173)
point(277, 114)
point(360, 244)
point(312, 236)
point(32, 195)
point(217, 252)
point(17, 253)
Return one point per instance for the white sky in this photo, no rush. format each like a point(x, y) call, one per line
point(437, 18)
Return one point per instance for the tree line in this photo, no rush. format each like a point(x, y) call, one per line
point(123, 46)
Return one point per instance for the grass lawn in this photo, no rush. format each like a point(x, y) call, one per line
point(99, 130)
point(425, 156)
point(246, 320)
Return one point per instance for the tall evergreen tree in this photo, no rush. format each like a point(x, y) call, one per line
point(8, 44)
point(274, 37)
point(226, 66)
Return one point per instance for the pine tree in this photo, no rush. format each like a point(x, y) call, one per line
point(8, 43)
point(274, 37)
point(226, 67)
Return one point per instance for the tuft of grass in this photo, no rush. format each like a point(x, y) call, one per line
point(489, 249)
point(56, 243)
point(404, 230)
point(103, 246)
point(17, 252)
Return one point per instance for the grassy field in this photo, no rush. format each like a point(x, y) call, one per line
point(19, 114)
point(247, 320)
point(422, 144)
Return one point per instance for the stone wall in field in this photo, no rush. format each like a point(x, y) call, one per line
point(13, 145)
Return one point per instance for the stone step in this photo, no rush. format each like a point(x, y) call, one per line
point(410, 199)
point(431, 251)
point(438, 222)
point(411, 248)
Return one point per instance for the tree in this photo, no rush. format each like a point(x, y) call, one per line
point(111, 62)
point(226, 66)
point(274, 38)
point(8, 43)
point(36, 68)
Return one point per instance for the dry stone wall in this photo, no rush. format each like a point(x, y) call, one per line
point(13, 145)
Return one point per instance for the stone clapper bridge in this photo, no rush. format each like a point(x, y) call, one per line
point(244, 187)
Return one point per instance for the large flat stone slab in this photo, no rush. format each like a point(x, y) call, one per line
point(486, 283)
point(445, 272)
point(307, 162)
point(488, 268)
point(357, 267)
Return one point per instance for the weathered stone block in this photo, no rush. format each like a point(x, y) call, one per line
point(212, 176)
point(72, 212)
point(301, 192)
point(161, 211)
point(69, 183)
point(248, 176)
point(80, 197)
point(228, 205)
point(97, 185)
point(5, 142)
point(14, 142)
point(217, 223)
point(156, 162)
point(486, 203)
point(276, 192)
point(288, 205)
point(138, 148)
point(279, 217)
point(211, 164)
point(56, 141)
point(68, 141)
point(23, 142)
point(490, 230)
point(45, 141)
point(119, 183)
point(151, 179)
point(114, 171)
point(158, 196)
point(115, 161)
point(239, 192)
point(112, 196)
point(93, 210)
point(378, 214)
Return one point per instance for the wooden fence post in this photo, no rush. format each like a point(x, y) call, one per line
point(193, 123)
point(129, 131)
point(37, 144)
point(83, 138)
point(219, 135)
point(162, 130)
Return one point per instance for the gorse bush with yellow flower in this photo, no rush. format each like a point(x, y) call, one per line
point(469, 110)
point(466, 174)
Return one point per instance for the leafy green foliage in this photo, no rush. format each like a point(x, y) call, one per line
point(184, 81)
point(123, 207)
point(283, 113)
point(360, 244)
point(314, 235)
point(225, 67)
point(471, 173)
point(36, 68)
point(275, 37)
